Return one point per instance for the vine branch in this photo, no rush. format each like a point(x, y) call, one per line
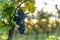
point(19, 5)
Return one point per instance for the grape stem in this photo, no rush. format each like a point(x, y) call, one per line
point(19, 5)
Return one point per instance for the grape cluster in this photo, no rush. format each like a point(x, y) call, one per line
point(21, 14)
point(21, 28)
point(20, 21)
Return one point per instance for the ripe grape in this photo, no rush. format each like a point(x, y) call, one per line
point(21, 28)
point(19, 20)
point(21, 14)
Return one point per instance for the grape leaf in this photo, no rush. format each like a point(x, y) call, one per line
point(32, 1)
point(4, 28)
point(25, 8)
point(3, 0)
point(19, 1)
point(7, 9)
point(31, 7)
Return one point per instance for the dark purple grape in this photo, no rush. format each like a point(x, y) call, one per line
point(21, 14)
point(19, 19)
point(21, 28)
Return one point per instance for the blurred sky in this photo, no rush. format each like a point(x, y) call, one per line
point(48, 5)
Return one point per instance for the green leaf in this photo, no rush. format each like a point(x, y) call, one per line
point(32, 1)
point(3, 0)
point(31, 7)
point(25, 8)
point(1, 24)
point(0, 16)
point(19, 1)
point(0, 6)
point(4, 28)
point(7, 9)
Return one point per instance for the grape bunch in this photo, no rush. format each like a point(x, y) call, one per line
point(20, 21)
point(21, 28)
point(21, 14)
